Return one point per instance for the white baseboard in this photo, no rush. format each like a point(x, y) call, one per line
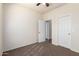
point(19, 46)
point(74, 50)
point(55, 43)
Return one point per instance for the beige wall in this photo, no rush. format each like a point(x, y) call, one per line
point(21, 26)
point(68, 9)
point(0, 29)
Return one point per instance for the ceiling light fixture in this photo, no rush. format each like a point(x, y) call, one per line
point(47, 4)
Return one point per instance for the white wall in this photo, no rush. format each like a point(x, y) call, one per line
point(21, 26)
point(73, 10)
point(1, 29)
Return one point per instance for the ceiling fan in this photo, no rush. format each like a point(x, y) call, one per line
point(46, 4)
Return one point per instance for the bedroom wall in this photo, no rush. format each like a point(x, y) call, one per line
point(1, 21)
point(21, 26)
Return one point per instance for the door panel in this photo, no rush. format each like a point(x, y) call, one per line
point(65, 31)
point(41, 31)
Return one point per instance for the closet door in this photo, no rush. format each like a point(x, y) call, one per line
point(65, 31)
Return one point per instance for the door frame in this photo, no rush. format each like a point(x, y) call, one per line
point(45, 30)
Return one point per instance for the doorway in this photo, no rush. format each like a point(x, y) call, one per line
point(48, 31)
point(44, 31)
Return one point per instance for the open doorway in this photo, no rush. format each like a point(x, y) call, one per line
point(48, 31)
point(45, 31)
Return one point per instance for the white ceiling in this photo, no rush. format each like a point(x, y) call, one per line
point(42, 8)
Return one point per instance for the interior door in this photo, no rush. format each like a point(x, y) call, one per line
point(41, 31)
point(65, 31)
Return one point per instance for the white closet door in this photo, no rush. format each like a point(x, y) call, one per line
point(41, 31)
point(65, 31)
